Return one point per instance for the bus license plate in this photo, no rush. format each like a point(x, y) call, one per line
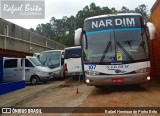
point(118, 80)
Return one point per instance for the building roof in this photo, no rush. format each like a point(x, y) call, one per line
point(13, 53)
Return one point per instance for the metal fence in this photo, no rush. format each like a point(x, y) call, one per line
point(16, 38)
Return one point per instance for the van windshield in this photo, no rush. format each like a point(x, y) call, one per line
point(35, 61)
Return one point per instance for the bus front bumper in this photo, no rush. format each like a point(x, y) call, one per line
point(72, 74)
point(103, 80)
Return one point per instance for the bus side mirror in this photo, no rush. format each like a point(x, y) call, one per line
point(152, 30)
point(62, 55)
point(77, 36)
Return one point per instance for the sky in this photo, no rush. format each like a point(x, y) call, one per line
point(60, 8)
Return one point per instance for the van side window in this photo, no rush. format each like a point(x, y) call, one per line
point(27, 63)
point(10, 63)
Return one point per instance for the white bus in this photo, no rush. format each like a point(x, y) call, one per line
point(54, 59)
point(72, 61)
point(115, 49)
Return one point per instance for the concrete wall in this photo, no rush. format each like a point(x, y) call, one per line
point(155, 44)
point(36, 42)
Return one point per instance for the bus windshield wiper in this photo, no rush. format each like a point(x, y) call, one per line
point(105, 51)
point(129, 56)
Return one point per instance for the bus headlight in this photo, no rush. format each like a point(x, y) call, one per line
point(148, 78)
point(87, 81)
point(92, 73)
point(143, 70)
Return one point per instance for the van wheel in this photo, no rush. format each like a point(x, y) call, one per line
point(45, 81)
point(34, 80)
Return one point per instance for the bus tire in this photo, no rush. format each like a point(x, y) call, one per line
point(61, 76)
point(64, 75)
point(34, 80)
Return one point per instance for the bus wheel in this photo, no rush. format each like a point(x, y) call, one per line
point(64, 76)
point(34, 80)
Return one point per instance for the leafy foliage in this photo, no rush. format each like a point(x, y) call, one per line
point(62, 30)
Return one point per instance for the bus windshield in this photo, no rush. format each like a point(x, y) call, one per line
point(73, 53)
point(115, 42)
point(51, 59)
point(35, 61)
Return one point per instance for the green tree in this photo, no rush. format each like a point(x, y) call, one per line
point(31, 29)
point(124, 10)
point(62, 30)
point(45, 30)
point(113, 10)
point(143, 10)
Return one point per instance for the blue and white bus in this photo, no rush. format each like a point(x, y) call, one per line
point(115, 49)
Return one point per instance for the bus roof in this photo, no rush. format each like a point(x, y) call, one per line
point(73, 47)
point(53, 51)
point(112, 15)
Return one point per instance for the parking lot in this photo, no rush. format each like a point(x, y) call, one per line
point(65, 95)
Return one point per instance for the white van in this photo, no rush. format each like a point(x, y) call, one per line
point(72, 61)
point(54, 59)
point(34, 72)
